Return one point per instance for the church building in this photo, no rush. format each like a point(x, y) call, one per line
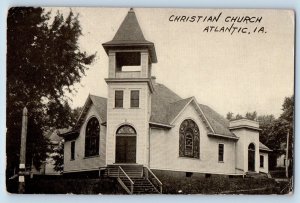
point(144, 123)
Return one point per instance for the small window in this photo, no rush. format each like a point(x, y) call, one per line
point(119, 99)
point(72, 150)
point(134, 98)
point(261, 161)
point(221, 153)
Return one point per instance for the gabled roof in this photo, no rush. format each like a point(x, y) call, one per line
point(54, 137)
point(161, 99)
point(165, 107)
point(130, 34)
point(99, 103)
point(218, 122)
point(263, 147)
point(176, 107)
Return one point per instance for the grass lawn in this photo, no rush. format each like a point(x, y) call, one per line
point(68, 186)
point(218, 185)
point(171, 185)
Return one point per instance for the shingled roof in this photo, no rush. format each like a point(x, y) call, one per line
point(165, 106)
point(263, 147)
point(130, 34)
point(218, 122)
point(100, 104)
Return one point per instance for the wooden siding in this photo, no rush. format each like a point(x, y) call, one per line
point(136, 117)
point(164, 149)
point(82, 163)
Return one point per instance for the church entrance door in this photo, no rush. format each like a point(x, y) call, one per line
point(126, 145)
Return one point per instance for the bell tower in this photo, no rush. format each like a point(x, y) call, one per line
point(129, 93)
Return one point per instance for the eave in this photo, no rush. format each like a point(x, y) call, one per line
point(137, 80)
point(223, 136)
point(243, 127)
point(160, 125)
point(265, 150)
point(71, 135)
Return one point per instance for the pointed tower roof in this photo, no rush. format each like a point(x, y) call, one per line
point(130, 34)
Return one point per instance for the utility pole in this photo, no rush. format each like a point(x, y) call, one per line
point(22, 168)
point(287, 154)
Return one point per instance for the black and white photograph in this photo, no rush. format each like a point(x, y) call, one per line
point(161, 101)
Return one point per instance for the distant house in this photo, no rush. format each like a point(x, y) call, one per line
point(281, 161)
point(55, 141)
point(47, 167)
point(142, 122)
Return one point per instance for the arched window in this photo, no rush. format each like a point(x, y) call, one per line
point(189, 140)
point(126, 130)
point(251, 147)
point(92, 134)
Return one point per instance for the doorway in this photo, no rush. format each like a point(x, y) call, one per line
point(126, 144)
point(251, 157)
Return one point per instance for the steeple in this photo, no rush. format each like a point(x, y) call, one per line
point(129, 35)
point(130, 30)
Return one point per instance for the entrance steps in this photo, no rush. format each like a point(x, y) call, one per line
point(133, 171)
point(135, 178)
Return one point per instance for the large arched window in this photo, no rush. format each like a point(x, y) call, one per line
point(92, 134)
point(189, 140)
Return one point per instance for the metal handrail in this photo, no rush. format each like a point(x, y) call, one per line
point(147, 176)
point(131, 182)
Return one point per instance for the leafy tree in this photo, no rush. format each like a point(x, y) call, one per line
point(251, 116)
point(43, 63)
point(265, 124)
point(58, 157)
point(275, 132)
point(238, 116)
point(229, 116)
point(58, 151)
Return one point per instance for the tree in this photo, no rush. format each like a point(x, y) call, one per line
point(229, 116)
point(58, 151)
point(58, 157)
point(251, 116)
point(274, 131)
point(44, 61)
point(265, 124)
point(238, 116)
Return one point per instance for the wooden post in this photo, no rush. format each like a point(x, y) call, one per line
point(287, 155)
point(23, 152)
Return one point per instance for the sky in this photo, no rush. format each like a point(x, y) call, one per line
point(236, 72)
